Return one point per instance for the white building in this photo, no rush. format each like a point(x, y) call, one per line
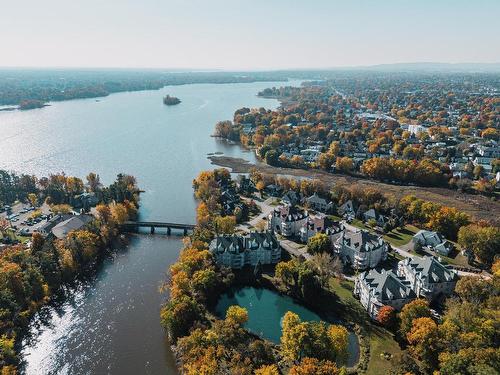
point(360, 248)
point(236, 251)
point(428, 277)
point(287, 220)
point(377, 289)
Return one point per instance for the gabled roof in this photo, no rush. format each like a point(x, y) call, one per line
point(233, 244)
point(432, 270)
point(386, 285)
point(264, 239)
point(360, 240)
point(429, 238)
point(315, 198)
point(76, 222)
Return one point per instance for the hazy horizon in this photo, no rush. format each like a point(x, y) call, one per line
point(242, 35)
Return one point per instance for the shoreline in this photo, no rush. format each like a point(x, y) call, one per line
point(16, 106)
point(477, 206)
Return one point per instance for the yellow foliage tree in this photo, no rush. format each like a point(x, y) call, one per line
point(236, 315)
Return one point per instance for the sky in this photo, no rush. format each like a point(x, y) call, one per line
point(251, 34)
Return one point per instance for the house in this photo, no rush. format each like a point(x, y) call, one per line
point(75, 222)
point(247, 128)
point(245, 185)
point(314, 224)
point(319, 204)
point(385, 288)
point(287, 220)
point(46, 228)
point(484, 162)
point(348, 209)
point(360, 248)
point(488, 151)
point(310, 155)
point(371, 214)
point(428, 277)
point(274, 190)
point(433, 240)
point(236, 251)
point(85, 201)
point(291, 198)
point(229, 200)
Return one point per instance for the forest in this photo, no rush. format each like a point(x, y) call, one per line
point(29, 276)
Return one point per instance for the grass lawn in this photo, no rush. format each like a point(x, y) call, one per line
point(334, 217)
point(381, 340)
point(399, 237)
point(358, 223)
point(343, 289)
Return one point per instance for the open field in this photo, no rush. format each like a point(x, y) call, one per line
point(479, 207)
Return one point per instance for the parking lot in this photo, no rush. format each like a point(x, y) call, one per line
point(25, 219)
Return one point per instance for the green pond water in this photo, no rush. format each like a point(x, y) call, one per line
point(266, 309)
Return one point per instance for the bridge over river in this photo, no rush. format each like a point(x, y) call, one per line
point(134, 226)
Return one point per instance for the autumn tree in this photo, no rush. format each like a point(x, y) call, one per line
point(59, 209)
point(448, 221)
point(312, 339)
point(344, 164)
point(119, 213)
point(93, 182)
point(313, 366)
point(482, 240)
point(179, 315)
point(319, 243)
point(236, 315)
point(387, 316)
point(267, 370)
point(33, 199)
point(225, 224)
point(424, 340)
point(418, 308)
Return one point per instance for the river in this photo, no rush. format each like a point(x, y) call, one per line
point(109, 324)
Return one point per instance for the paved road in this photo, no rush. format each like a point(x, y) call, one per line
point(265, 208)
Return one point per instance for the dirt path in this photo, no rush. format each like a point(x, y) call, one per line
point(477, 206)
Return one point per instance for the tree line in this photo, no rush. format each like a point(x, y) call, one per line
point(30, 276)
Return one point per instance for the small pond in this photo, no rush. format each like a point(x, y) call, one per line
point(266, 309)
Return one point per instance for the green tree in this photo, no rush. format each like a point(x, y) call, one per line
point(179, 315)
point(319, 243)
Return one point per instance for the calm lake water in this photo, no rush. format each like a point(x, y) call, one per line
point(110, 323)
point(266, 310)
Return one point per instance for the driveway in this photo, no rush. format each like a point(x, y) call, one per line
point(265, 207)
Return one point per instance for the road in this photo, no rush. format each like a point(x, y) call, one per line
point(265, 207)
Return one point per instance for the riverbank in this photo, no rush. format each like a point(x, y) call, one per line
point(52, 86)
point(478, 206)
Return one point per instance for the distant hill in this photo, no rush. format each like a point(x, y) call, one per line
point(434, 67)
